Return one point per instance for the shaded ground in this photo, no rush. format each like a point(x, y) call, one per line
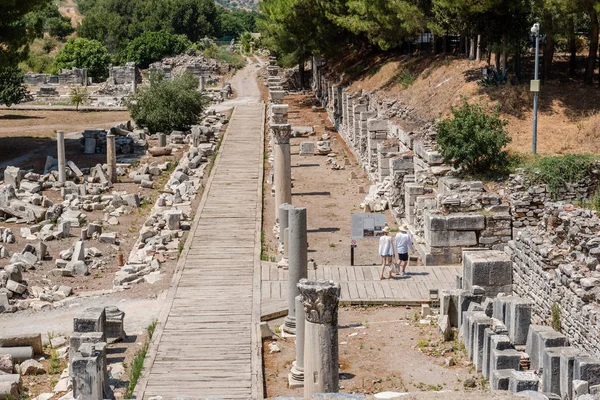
point(382, 349)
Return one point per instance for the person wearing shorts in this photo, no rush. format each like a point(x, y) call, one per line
point(386, 250)
point(403, 245)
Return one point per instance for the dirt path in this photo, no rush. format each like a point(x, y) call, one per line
point(245, 88)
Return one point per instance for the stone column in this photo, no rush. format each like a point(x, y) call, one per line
point(62, 168)
point(202, 82)
point(297, 255)
point(283, 168)
point(321, 353)
point(162, 139)
point(283, 225)
point(296, 375)
point(111, 158)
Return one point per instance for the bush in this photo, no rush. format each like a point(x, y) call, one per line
point(78, 95)
point(167, 105)
point(84, 53)
point(59, 27)
point(12, 88)
point(557, 172)
point(474, 140)
point(154, 46)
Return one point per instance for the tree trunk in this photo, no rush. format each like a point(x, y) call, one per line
point(591, 62)
point(572, 48)
point(433, 44)
point(301, 73)
point(472, 49)
point(504, 56)
point(445, 44)
point(497, 56)
point(518, 61)
point(461, 45)
point(548, 46)
point(478, 56)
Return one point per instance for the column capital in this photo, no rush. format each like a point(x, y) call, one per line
point(320, 299)
point(281, 132)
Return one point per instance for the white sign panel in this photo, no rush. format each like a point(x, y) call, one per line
point(365, 226)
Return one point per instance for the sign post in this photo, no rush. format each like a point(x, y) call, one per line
point(365, 226)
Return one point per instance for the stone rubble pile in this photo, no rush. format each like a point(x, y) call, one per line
point(17, 359)
point(128, 140)
point(190, 62)
point(512, 353)
point(161, 235)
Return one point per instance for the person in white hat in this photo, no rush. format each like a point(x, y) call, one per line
point(386, 250)
point(403, 244)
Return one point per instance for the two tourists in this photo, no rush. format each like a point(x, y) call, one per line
point(402, 244)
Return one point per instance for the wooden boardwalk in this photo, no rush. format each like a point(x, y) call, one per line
point(360, 285)
point(207, 343)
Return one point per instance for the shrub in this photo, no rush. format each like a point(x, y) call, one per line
point(474, 140)
point(406, 78)
point(557, 172)
point(167, 105)
point(84, 53)
point(78, 95)
point(59, 27)
point(154, 46)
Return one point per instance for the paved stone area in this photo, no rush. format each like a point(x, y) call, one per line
point(207, 341)
point(360, 285)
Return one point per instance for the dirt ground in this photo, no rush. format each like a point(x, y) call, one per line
point(329, 196)
point(568, 120)
point(382, 349)
point(27, 137)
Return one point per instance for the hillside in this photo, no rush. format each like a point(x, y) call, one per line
point(568, 121)
point(237, 4)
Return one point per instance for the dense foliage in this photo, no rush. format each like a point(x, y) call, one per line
point(12, 89)
point(297, 28)
point(167, 105)
point(154, 46)
point(84, 53)
point(234, 23)
point(474, 140)
point(17, 31)
point(116, 23)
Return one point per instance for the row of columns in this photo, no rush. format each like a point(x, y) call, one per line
point(312, 305)
point(111, 158)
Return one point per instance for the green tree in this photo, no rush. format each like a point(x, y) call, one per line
point(167, 105)
point(154, 46)
point(474, 140)
point(78, 95)
point(17, 30)
point(12, 89)
point(84, 53)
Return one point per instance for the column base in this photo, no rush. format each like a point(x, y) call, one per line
point(283, 263)
point(296, 377)
point(289, 325)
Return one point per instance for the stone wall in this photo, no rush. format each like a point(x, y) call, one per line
point(556, 264)
point(444, 214)
point(555, 249)
point(527, 197)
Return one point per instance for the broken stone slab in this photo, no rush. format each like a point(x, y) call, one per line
point(12, 176)
point(11, 205)
point(78, 251)
point(31, 367)
point(91, 320)
point(539, 338)
point(16, 287)
point(587, 368)
point(33, 340)
point(567, 361)
point(6, 364)
point(114, 324)
point(75, 268)
point(108, 237)
point(520, 381)
point(31, 187)
point(551, 369)
point(173, 219)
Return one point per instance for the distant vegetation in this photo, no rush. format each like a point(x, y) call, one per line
point(238, 4)
point(298, 29)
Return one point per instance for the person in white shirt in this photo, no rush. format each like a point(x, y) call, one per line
point(403, 244)
point(386, 250)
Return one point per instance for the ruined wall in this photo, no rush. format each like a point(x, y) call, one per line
point(556, 264)
point(555, 251)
